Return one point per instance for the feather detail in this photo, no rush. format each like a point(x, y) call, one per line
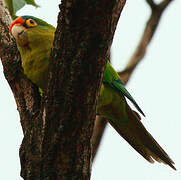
point(140, 139)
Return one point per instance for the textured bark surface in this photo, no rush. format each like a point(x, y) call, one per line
point(99, 127)
point(58, 127)
point(86, 29)
point(26, 96)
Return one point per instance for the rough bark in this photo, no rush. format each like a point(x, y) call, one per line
point(58, 127)
point(86, 29)
point(99, 127)
point(25, 93)
point(138, 55)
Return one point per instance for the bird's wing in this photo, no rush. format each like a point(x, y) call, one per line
point(112, 78)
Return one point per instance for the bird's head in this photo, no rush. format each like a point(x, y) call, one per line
point(26, 28)
point(19, 28)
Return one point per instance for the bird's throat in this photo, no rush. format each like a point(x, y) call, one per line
point(20, 34)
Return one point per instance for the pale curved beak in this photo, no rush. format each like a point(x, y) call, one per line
point(19, 33)
point(17, 30)
point(19, 21)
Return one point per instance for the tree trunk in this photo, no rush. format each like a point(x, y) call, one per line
point(58, 126)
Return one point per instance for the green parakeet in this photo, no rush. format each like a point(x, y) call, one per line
point(34, 39)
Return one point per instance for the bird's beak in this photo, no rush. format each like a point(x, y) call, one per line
point(18, 22)
point(19, 32)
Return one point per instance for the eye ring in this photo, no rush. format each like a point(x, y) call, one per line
point(31, 23)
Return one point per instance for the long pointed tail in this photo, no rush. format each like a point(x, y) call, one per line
point(140, 139)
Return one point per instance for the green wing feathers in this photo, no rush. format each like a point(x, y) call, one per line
point(112, 78)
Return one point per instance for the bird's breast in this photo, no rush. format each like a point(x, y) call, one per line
point(35, 65)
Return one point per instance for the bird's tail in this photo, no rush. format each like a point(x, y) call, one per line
point(140, 139)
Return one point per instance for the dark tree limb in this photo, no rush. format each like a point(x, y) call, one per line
point(164, 4)
point(139, 53)
point(99, 127)
point(58, 127)
point(26, 96)
point(86, 29)
point(151, 3)
point(150, 29)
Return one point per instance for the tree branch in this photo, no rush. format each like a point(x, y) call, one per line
point(151, 26)
point(164, 4)
point(99, 127)
point(86, 29)
point(26, 96)
point(151, 3)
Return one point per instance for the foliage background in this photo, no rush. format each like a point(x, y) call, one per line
point(156, 85)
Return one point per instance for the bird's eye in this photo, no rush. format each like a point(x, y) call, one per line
point(31, 23)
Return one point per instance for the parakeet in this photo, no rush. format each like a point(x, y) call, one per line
point(34, 38)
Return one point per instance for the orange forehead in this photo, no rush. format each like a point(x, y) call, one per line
point(19, 20)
